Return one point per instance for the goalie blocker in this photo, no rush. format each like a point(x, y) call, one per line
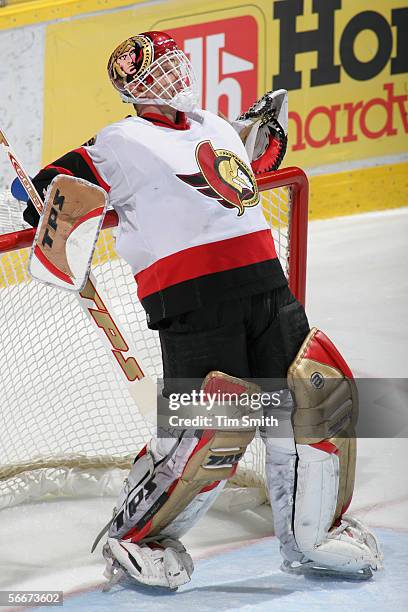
point(69, 226)
point(311, 476)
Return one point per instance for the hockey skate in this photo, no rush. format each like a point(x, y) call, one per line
point(158, 564)
point(350, 533)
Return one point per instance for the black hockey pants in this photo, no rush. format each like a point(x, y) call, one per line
point(256, 336)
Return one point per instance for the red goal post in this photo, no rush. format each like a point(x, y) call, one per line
point(295, 181)
point(67, 423)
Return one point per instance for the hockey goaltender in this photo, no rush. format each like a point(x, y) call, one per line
point(182, 181)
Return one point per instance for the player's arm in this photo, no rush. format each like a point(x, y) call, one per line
point(40, 182)
point(263, 130)
point(75, 163)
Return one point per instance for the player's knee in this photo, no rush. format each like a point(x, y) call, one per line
point(324, 388)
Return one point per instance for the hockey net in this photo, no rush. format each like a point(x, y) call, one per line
point(68, 426)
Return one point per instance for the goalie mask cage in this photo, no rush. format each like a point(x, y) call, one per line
point(68, 426)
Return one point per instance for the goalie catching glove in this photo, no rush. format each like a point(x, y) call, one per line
point(263, 130)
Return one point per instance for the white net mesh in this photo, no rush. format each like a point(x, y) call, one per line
point(11, 212)
point(67, 423)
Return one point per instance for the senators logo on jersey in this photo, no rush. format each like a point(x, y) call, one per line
point(224, 177)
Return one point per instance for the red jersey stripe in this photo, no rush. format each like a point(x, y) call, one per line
point(60, 169)
point(206, 259)
point(84, 154)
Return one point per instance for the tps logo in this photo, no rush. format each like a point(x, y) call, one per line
point(226, 69)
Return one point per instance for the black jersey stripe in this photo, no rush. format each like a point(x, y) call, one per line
point(198, 292)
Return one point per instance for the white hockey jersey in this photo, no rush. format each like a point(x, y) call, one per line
point(190, 222)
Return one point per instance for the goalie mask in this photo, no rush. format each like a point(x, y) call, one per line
point(150, 69)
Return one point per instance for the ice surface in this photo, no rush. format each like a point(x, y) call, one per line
point(249, 579)
point(358, 289)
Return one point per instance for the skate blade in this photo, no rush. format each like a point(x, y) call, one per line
point(115, 577)
point(306, 569)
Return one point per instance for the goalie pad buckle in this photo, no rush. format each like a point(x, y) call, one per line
point(63, 247)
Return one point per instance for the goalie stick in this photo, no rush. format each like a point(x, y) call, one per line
point(92, 300)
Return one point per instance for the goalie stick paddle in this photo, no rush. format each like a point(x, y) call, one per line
point(92, 300)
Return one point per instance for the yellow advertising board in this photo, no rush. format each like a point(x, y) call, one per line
point(343, 63)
